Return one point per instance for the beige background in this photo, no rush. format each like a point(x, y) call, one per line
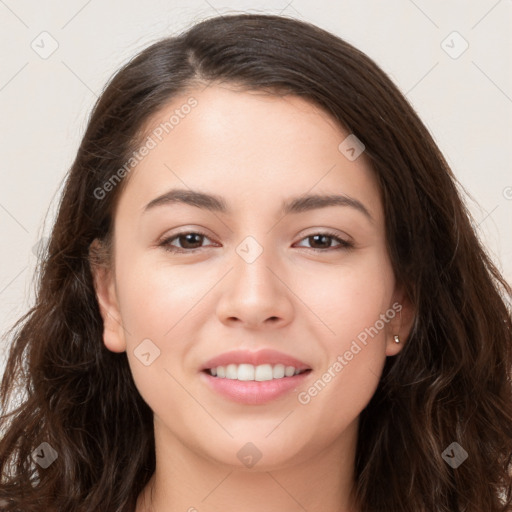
point(465, 100)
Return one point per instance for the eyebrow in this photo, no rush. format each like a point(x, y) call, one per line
point(215, 203)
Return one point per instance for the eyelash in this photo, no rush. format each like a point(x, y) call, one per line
point(165, 244)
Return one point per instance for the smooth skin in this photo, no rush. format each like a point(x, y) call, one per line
point(255, 151)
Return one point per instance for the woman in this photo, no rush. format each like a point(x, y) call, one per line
point(262, 292)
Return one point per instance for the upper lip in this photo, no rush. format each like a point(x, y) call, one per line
point(265, 356)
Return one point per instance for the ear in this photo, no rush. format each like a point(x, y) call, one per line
point(106, 294)
point(401, 314)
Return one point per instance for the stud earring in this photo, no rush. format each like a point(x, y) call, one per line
point(397, 339)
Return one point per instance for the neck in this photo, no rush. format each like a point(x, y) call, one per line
point(185, 480)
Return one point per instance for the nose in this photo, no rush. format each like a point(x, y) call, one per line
point(255, 294)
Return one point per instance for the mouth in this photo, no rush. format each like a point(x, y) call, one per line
point(247, 384)
point(254, 378)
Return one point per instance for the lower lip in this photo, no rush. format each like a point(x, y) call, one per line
point(253, 392)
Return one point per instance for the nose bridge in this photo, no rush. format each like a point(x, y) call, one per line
point(253, 293)
point(252, 267)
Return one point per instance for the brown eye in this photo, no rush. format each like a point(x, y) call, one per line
point(190, 240)
point(187, 242)
point(320, 241)
point(323, 242)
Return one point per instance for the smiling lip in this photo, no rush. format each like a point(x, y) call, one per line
point(265, 356)
point(254, 392)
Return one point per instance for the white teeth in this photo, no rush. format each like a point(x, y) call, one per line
point(231, 372)
point(263, 372)
point(278, 371)
point(260, 373)
point(245, 372)
point(289, 371)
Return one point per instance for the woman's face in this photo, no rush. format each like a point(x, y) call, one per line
point(264, 267)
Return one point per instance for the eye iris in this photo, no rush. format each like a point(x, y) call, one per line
point(324, 239)
point(190, 239)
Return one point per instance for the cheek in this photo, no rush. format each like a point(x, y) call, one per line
point(156, 296)
point(352, 303)
point(156, 303)
point(348, 298)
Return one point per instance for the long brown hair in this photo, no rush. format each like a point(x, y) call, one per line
point(450, 384)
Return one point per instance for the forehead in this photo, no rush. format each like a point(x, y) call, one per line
point(248, 147)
